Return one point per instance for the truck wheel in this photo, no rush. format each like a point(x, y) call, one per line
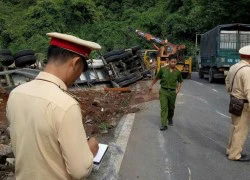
point(128, 82)
point(5, 52)
point(201, 75)
point(130, 76)
point(24, 53)
point(125, 55)
point(25, 61)
point(6, 60)
point(131, 80)
point(112, 53)
point(112, 58)
point(120, 79)
point(211, 76)
point(135, 49)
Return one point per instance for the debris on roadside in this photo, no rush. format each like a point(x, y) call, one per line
point(125, 89)
point(98, 106)
point(96, 102)
point(102, 108)
point(89, 121)
point(101, 111)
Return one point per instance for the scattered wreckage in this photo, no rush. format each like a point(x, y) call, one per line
point(119, 68)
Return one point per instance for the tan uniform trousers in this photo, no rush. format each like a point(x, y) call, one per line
point(238, 134)
point(152, 72)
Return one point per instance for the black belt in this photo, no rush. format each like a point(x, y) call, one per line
point(168, 89)
point(245, 101)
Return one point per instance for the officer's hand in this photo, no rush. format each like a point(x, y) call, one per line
point(93, 145)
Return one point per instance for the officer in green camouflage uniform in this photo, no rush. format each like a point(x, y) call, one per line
point(171, 80)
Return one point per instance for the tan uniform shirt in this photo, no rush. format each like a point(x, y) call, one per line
point(47, 134)
point(241, 86)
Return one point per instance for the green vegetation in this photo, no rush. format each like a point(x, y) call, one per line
point(24, 23)
point(104, 126)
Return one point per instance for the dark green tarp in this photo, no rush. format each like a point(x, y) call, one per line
point(210, 40)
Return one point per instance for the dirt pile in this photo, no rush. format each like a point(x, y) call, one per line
point(101, 110)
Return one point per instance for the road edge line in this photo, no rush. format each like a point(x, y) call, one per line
point(118, 149)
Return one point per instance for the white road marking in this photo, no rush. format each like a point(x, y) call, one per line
point(197, 82)
point(222, 114)
point(220, 144)
point(119, 148)
point(214, 90)
point(203, 100)
point(195, 97)
point(162, 145)
point(180, 102)
point(189, 172)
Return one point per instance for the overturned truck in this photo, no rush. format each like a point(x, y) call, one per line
point(119, 68)
point(125, 66)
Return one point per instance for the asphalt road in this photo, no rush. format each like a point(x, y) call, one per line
point(194, 148)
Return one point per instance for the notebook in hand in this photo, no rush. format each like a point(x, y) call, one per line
point(101, 152)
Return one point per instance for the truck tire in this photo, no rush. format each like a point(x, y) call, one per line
point(125, 55)
point(201, 75)
point(112, 53)
point(6, 60)
point(131, 79)
point(211, 76)
point(25, 61)
point(112, 58)
point(120, 79)
point(130, 76)
point(135, 49)
point(5, 52)
point(128, 82)
point(123, 83)
point(24, 53)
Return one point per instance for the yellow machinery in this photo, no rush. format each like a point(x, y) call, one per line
point(152, 56)
point(185, 68)
point(160, 55)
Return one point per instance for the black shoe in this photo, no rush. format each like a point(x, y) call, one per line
point(242, 155)
point(163, 128)
point(244, 159)
point(170, 123)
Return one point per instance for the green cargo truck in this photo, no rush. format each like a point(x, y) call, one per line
point(219, 49)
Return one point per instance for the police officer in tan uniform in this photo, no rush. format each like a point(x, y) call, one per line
point(47, 134)
point(241, 90)
point(153, 67)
